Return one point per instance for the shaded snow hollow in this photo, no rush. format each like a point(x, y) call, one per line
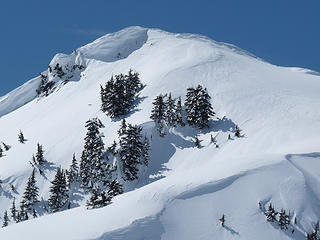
point(185, 190)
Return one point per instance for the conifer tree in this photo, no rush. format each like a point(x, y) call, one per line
point(222, 220)
point(197, 142)
point(158, 114)
point(237, 132)
point(271, 214)
point(5, 219)
point(5, 146)
point(73, 173)
point(130, 152)
point(119, 94)
point(123, 127)
point(146, 151)
point(198, 107)
point(58, 192)
point(21, 137)
point(13, 210)
point(92, 165)
point(112, 148)
point(31, 193)
point(284, 219)
point(314, 234)
point(179, 114)
point(98, 199)
point(114, 189)
point(34, 213)
point(1, 152)
point(39, 159)
point(170, 114)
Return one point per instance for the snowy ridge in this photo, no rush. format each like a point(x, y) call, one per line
point(185, 190)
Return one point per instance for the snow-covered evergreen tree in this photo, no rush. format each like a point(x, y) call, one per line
point(1, 152)
point(158, 114)
point(130, 152)
point(179, 113)
point(314, 235)
point(5, 219)
point(59, 196)
point(114, 188)
point(93, 164)
point(170, 114)
point(146, 151)
point(198, 107)
point(13, 210)
point(5, 146)
point(31, 193)
point(73, 173)
point(119, 94)
point(21, 137)
point(271, 214)
point(284, 219)
point(39, 158)
point(123, 127)
point(98, 199)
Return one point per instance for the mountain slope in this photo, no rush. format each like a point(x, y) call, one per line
point(185, 190)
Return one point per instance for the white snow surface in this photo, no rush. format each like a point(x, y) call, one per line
point(185, 190)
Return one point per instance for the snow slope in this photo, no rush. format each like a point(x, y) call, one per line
point(185, 190)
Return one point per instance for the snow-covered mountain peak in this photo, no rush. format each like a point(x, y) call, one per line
point(185, 190)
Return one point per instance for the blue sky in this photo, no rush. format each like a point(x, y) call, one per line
point(283, 32)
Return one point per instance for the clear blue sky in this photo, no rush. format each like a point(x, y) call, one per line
point(283, 32)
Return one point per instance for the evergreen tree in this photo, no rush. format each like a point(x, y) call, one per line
point(158, 114)
point(284, 219)
point(170, 114)
point(92, 165)
point(1, 152)
point(34, 213)
point(112, 148)
point(114, 189)
point(237, 132)
point(222, 220)
point(58, 192)
point(13, 210)
point(31, 193)
point(271, 214)
point(133, 82)
point(314, 235)
point(73, 173)
point(39, 159)
point(119, 94)
point(5, 146)
point(123, 127)
point(198, 107)
point(179, 118)
point(130, 152)
point(145, 151)
point(21, 137)
point(5, 220)
point(98, 199)
point(197, 142)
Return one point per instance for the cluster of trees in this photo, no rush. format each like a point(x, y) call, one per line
point(119, 94)
point(94, 175)
point(282, 218)
point(133, 150)
point(46, 86)
point(314, 235)
point(97, 175)
point(169, 111)
point(166, 111)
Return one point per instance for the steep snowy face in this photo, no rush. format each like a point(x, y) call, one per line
point(183, 186)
